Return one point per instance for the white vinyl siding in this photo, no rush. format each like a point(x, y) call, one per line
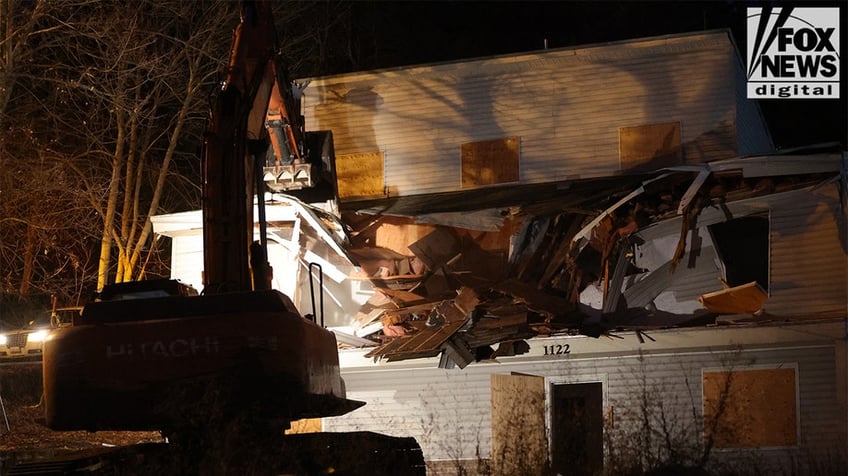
point(808, 267)
point(566, 105)
point(807, 263)
point(448, 411)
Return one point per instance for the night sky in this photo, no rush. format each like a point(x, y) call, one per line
point(405, 33)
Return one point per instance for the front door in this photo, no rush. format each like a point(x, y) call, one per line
point(577, 424)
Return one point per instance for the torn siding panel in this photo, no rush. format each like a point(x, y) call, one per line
point(806, 261)
point(781, 165)
point(708, 216)
point(677, 292)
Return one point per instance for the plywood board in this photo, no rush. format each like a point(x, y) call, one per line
point(437, 248)
point(428, 341)
point(760, 408)
point(307, 425)
point(360, 175)
point(397, 233)
point(519, 443)
point(650, 146)
point(490, 162)
point(745, 299)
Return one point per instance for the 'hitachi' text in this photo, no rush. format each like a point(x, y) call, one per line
point(164, 349)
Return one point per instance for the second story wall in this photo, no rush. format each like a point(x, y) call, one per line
point(542, 117)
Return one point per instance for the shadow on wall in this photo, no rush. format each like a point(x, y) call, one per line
point(352, 113)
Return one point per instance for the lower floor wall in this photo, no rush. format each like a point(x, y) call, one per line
point(767, 409)
point(469, 467)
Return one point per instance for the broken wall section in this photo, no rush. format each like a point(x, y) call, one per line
point(687, 247)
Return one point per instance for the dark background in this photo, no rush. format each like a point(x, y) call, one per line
point(405, 33)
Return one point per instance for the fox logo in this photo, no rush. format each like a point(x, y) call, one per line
point(793, 52)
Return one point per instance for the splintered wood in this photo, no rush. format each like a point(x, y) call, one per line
point(444, 319)
point(598, 257)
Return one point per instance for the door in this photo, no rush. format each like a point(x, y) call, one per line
point(577, 429)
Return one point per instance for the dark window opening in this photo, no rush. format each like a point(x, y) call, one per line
point(743, 247)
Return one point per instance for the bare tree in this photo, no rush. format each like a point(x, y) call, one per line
point(148, 73)
point(111, 103)
point(18, 23)
point(41, 249)
point(40, 212)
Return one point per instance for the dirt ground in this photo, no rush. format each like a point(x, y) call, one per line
point(22, 433)
point(25, 440)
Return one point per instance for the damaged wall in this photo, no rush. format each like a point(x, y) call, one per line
point(720, 243)
point(756, 239)
point(806, 262)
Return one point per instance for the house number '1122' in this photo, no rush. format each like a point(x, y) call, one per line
point(557, 349)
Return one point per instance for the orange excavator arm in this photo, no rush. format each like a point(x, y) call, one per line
point(255, 106)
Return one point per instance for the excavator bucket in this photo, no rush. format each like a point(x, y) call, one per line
point(311, 180)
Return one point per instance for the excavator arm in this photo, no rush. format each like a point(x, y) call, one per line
point(254, 107)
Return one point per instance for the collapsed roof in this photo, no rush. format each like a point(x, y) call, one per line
point(471, 275)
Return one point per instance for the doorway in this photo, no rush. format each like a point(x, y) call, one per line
point(577, 429)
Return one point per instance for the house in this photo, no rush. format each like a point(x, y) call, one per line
point(587, 257)
point(676, 317)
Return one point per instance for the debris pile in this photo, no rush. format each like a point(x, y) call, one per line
point(589, 257)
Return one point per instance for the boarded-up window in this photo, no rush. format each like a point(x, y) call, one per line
point(490, 162)
point(751, 408)
point(650, 146)
point(360, 175)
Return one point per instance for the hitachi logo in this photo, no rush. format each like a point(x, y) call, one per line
point(164, 349)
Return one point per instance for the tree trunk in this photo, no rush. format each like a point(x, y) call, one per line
point(111, 206)
point(29, 260)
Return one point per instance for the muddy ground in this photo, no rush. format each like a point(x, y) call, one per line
point(24, 439)
point(23, 436)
